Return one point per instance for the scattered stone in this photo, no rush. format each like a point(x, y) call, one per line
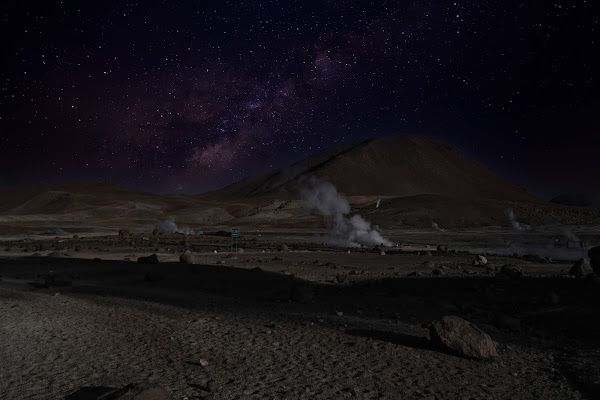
point(155, 232)
point(429, 264)
point(428, 254)
point(341, 278)
point(381, 253)
point(187, 258)
point(511, 271)
point(581, 268)
point(461, 337)
point(203, 362)
point(151, 259)
point(438, 271)
point(415, 273)
point(480, 261)
point(124, 233)
point(282, 247)
point(96, 260)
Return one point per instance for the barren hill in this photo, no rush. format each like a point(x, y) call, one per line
point(392, 166)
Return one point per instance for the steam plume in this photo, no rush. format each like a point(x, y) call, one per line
point(570, 235)
point(437, 227)
point(510, 213)
point(377, 204)
point(324, 198)
point(169, 226)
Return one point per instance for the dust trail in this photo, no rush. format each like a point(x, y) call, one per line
point(323, 197)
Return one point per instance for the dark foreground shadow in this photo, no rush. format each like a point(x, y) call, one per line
point(98, 393)
point(562, 310)
point(417, 342)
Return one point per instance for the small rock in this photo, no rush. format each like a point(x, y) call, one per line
point(429, 264)
point(282, 247)
point(155, 232)
point(124, 232)
point(480, 260)
point(581, 268)
point(203, 362)
point(511, 271)
point(341, 278)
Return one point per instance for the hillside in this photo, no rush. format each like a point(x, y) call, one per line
point(392, 166)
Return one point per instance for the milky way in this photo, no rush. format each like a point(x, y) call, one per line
point(189, 97)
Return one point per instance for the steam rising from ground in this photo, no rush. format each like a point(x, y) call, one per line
point(510, 213)
point(377, 204)
point(570, 235)
point(169, 226)
point(324, 198)
point(437, 227)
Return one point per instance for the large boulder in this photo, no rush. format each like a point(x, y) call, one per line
point(462, 338)
point(594, 255)
point(581, 268)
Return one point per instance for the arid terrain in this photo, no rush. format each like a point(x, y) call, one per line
point(307, 321)
point(419, 274)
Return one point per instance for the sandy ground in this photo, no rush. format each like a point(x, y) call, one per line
point(274, 325)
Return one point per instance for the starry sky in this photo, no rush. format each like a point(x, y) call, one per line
point(189, 96)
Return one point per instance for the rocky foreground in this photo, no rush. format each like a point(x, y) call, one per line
point(113, 321)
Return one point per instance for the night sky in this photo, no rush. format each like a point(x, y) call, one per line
point(184, 97)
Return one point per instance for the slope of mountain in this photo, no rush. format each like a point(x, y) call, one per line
point(391, 166)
